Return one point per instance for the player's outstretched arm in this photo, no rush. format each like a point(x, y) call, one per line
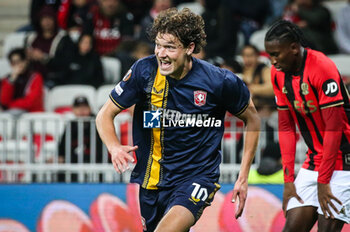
point(252, 131)
point(105, 126)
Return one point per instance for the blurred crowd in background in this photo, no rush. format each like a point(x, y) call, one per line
point(66, 40)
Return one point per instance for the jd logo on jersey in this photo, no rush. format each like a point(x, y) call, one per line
point(151, 119)
point(330, 88)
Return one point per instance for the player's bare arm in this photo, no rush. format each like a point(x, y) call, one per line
point(120, 155)
point(252, 131)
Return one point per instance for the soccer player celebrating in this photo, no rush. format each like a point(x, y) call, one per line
point(180, 104)
point(310, 93)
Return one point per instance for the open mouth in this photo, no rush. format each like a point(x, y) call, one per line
point(278, 68)
point(164, 64)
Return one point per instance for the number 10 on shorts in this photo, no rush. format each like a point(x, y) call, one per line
point(199, 193)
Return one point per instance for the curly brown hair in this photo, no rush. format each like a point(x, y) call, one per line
point(185, 25)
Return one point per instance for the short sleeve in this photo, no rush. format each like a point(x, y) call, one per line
point(278, 91)
point(328, 83)
point(235, 94)
point(128, 91)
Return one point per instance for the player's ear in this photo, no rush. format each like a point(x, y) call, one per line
point(294, 48)
point(190, 48)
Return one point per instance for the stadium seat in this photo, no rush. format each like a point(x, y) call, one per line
point(258, 38)
point(13, 40)
point(111, 69)
point(64, 95)
point(42, 129)
point(48, 123)
point(334, 7)
point(11, 150)
point(342, 62)
point(5, 68)
point(7, 123)
point(14, 151)
point(102, 94)
point(46, 128)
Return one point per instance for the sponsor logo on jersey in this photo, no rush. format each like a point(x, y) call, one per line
point(200, 97)
point(118, 89)
point(330, 88)
point(158, 117)
point(151, 119)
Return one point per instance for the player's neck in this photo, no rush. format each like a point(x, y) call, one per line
point(299, 63)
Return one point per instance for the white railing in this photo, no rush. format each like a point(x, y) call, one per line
point(30, 149)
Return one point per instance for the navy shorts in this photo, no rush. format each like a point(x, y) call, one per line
point(194, 194)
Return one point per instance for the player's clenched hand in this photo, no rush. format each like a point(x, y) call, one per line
point(289, 192)
point(240, 190)
point(121, 156)
point(324, 197)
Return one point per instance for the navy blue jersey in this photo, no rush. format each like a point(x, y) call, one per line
point(178, 124)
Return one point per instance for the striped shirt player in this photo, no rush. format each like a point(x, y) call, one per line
point(305, 95)
point(310, 94)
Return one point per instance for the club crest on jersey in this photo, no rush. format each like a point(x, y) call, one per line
point(284, 90)
point(127, 75)
point(304, 88)
point(200, 97)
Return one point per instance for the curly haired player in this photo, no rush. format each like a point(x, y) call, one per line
point(178, 124)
